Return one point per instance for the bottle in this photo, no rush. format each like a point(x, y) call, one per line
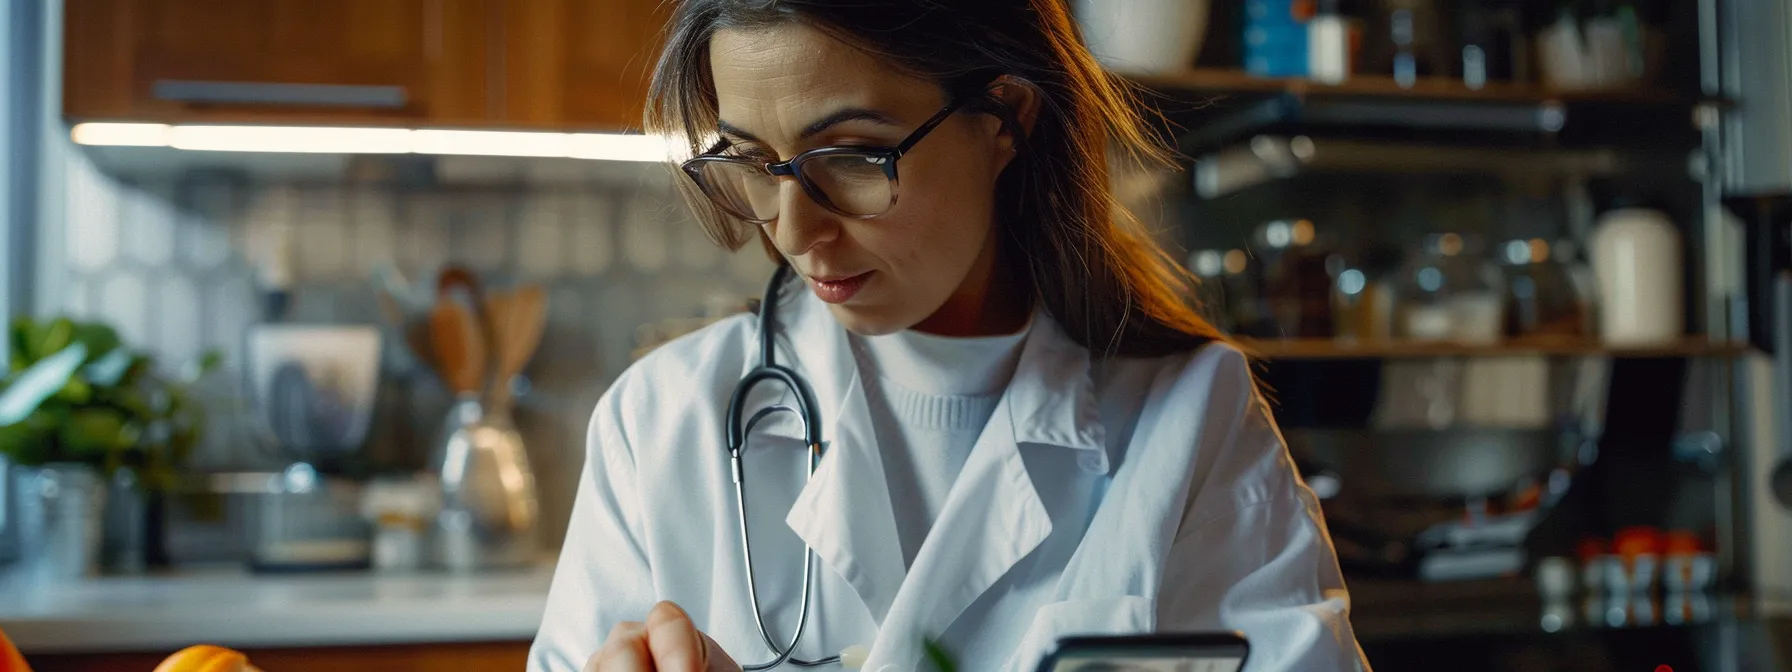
point(1275, 38)
point(1328, 45)
point(1637, 260)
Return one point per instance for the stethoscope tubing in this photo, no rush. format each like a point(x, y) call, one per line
point(803, 406)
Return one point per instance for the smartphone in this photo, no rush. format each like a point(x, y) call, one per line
point(1191, 652)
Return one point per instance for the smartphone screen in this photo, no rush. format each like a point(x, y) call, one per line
point(1152, 665)
point(1196, 652)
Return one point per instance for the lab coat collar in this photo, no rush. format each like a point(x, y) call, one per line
point(845, 513)
point(1050, 401)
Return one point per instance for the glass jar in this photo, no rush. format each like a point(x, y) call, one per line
point(1448, 291)
point(1542, 299)
point(1363, 296)
point(1297, 284)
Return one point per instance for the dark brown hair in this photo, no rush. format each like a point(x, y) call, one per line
point(1089, 263)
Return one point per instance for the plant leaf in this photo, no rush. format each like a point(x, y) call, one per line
point(108, 370)
point(18, 353)
point(101, 340)
point(208, 362)
point(51, 338)
point(936, 653)
point(47, 377)
point(97, 432)
point(75, 392)
point(23, 444)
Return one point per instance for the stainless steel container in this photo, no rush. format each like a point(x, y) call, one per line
point(490, 511)
point(304, 522)
point(59, 517)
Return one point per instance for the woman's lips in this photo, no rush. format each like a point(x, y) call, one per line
point(840, 290)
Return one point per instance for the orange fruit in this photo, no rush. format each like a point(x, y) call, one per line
point(206, 658)
point(10, 658)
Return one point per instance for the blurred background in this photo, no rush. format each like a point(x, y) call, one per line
point(311, 300)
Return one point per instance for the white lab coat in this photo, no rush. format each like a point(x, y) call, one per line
point(1130, 496)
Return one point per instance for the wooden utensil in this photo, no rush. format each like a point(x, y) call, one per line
point(460, 333)
point(459, 350)
point(518, 317)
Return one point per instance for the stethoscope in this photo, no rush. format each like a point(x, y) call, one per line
point(803, 406)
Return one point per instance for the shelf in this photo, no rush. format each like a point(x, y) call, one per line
point(1220, 81)
point(1218, 108)
point(1320, 348)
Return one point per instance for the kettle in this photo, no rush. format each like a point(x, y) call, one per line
point(490, 511)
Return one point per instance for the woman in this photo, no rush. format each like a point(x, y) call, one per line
point(1028, 433)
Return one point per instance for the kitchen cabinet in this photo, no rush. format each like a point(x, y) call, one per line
point(456, 657)
point(579, 64)
point(390, 62)
point(536, 64)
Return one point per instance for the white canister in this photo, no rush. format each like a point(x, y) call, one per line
point(1144, 37)
point(1638, 262)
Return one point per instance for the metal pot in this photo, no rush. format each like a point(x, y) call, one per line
point(59, 509)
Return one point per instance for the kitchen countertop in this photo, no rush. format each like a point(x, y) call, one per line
point(230, 607)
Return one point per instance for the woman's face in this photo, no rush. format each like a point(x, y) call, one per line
point(928, 262)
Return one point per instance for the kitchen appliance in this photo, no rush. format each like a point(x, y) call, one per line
point(1766, 480)
point(1438, 504)
point(303, 521)
point(315, 386)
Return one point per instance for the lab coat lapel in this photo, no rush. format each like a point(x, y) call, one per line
point(993, 516)
point(844, 513)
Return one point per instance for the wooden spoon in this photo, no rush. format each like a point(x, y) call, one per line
point(460, 333)
point(518, 318)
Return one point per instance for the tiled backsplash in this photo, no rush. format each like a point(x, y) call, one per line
point(177, 265)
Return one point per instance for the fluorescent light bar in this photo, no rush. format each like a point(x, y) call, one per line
point(342, 140)
point(306, 139)
point(617, 147)
point(121, 135)
point(490, 143)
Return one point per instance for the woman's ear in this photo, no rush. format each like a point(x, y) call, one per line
point(1022, 99)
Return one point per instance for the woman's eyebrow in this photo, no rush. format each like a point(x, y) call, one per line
point(845, 115)
point(821, 125)
point(739, 133)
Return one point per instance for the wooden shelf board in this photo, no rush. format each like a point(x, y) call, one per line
point(1221, 80)
point(1320, 348)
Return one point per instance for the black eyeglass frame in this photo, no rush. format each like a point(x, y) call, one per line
point(885, 157)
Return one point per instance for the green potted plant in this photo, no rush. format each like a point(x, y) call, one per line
point(77, 408)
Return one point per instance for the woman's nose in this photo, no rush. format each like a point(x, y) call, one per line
point(802, 223)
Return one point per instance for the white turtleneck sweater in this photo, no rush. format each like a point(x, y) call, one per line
point(930, 397)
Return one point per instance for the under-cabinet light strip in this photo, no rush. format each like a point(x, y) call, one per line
point(344, 140)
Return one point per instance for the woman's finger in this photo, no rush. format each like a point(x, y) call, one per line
point(676, 644)
point(625, 650)
point(719, 660)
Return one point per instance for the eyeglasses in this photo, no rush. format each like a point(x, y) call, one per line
point(852, 181)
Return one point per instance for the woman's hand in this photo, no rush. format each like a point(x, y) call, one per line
point(667, 642)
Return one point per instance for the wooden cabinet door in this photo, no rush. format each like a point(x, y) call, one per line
point(379, 61)
point(580, 64)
